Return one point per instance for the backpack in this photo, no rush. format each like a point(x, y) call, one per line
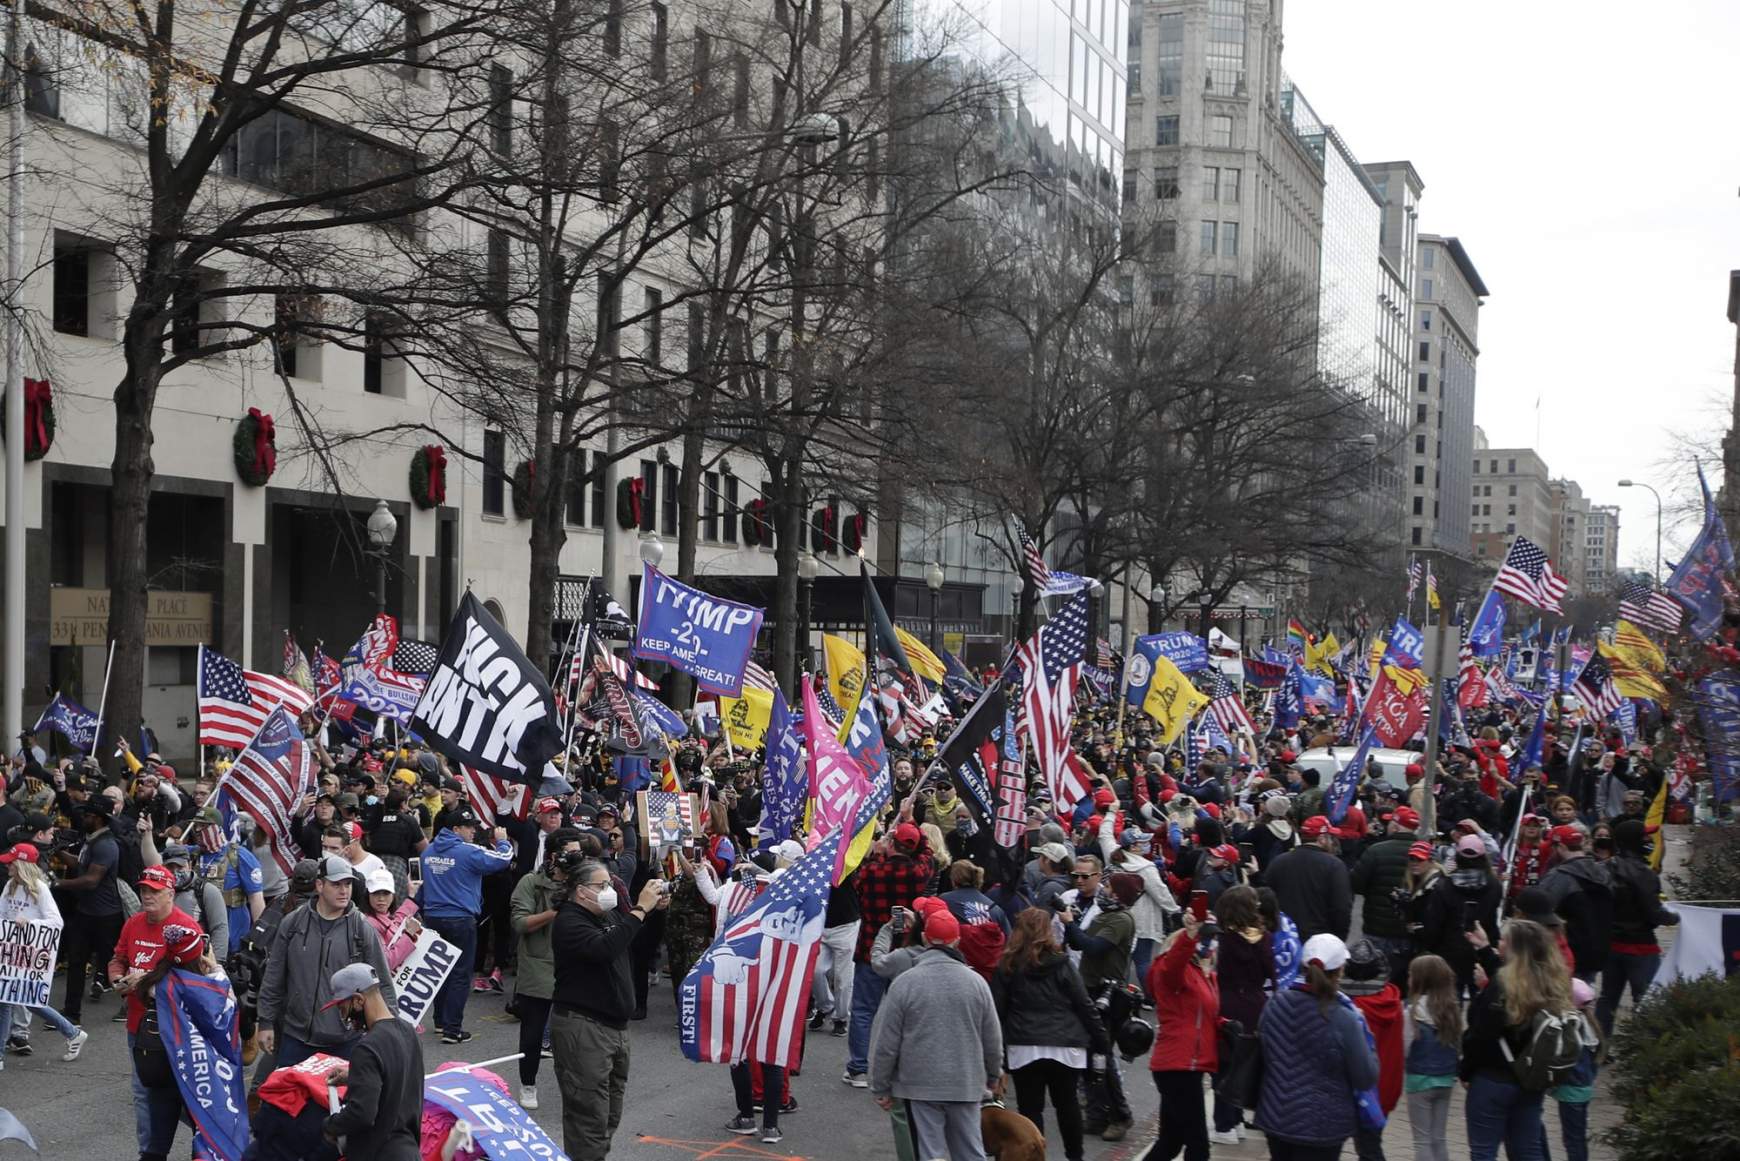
point(1556, 1041)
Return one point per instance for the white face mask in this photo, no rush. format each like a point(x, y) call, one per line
point(607, 898)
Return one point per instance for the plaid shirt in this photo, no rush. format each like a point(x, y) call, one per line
point(884, 882)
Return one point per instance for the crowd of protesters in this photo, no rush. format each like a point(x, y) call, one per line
point(1197, 916)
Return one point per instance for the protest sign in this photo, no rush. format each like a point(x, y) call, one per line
point(422, 974)
point(29, 939)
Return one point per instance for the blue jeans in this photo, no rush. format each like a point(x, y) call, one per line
point(1573, 1128)
point(1636, 970)
point(156, 1112)
point(1142, 955)
point(1501, 1113)
point(141, 1102)
point(868, 988)
point(461, 932)
point(49, 1016)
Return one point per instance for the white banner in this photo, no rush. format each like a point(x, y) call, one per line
point(421, 975)
point(29, 941)
point(1707, 940)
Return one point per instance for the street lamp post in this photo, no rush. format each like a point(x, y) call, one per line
point(1657, 495)
point(652, 549)
point(806, 568)
point(1207, 599)
point(383, 529)
point(933, 580)
point(1156, 602)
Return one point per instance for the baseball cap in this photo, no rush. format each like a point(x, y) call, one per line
point(1104, 797)
point(907, 836)
point(157, 878)
point(1406, 817)
point(940, 924)
point(351, 981)
point(463, 816)
point(1316, 825)
point(547, 805)
point(1534, 903)
point(379, 879)
point(25, 851)
point(1420, 852)
point(610, 810)
point(1052, 852)
point(178, 853)
point(353, 831)
point(1531, 820)
point(1567, 836)
point(302, 878)
point(1470, 844)
point(1225, 852)
point(452, 783)
point(348, 801)
point(334, 869)
point(1366, 962)
point(1326, 951)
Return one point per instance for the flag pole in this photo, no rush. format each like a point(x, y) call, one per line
point(574, 711)
point(103, 703)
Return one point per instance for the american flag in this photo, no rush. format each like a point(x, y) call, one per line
point(268, 780)
point(1641, 604)
point(415, 657)
point(1051, 662)
point(1227, 707)
point(1036, 570)
point(1415, 570)
point(618, 666)
point(903, 719)
point(493, 797)
point(755, 677)
point(235, 702)
point(745, 998)
point(1471, 682)
point(1528, 576)
point(1595, 687)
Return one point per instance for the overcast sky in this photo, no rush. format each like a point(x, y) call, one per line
point(1587, 156)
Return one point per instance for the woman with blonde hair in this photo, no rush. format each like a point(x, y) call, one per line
point(27, 895)
point(1526, 976)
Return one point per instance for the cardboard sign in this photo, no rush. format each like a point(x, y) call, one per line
point(29, 941)
point(422, 974)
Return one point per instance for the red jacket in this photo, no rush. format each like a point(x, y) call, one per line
point(1187, 1008)
point(1383, 1015)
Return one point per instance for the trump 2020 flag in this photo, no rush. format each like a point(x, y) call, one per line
point(1346, 784)
point(745, 998)
point(707, 637)
point(486, 706)
point(201, 1030)
point(499, 1127)
point(71, 721)
point(1697, 578)
point(784, 781)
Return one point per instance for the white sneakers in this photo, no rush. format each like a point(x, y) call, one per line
point(528, 1096)
point(1229, 1137)
point(75, 1045)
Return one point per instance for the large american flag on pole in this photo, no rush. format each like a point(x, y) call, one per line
point(492, 797)
point(1641, 604)
point(1528, 575)
point(1228, 708)
point(1034, 561)
point(268, 780)
point(235, 702)
point(1595, 687)
point(1051, 663)
point(745, 998)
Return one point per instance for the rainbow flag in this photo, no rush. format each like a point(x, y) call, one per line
point(1296, 635)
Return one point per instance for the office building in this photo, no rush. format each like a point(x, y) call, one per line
point(1601, 549)
point(1446, 328)
point(1511, 494)
point(1570, 533)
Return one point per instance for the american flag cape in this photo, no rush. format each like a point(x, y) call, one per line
point(1528, 576)
point(1051, 663)
point(1641, 604)
point(234, 703)
point(745, 998)
point(268, 780)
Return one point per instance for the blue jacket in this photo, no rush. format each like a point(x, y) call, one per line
point(1314, 1063)
point(1427, 1054)
point(453, 872)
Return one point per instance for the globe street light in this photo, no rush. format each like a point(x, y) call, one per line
point(1156, 602)
point(1657, 495)
point(652, 549)
point(933, 580)
point(383, 528)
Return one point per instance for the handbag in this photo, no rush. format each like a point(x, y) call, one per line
point(150, 1058)
point(1240, 1080)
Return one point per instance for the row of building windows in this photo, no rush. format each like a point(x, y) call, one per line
point(1219, 126)
point(1492, 467)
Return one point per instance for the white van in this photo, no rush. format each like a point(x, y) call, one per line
point(1328, 761)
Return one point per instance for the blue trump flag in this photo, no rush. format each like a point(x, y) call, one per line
point(1625, 717)
point(201, 1030)
point(784, 778)
point(1289, 700)
point(1185, 650)
point(1486, 635)
point(1341, 792)
point(1407, 646)
point(500, 1128)
point(71, 721)
point(1697, 579)
point(655, 717)
point(707, 637)
point(1535, 747)
point(1719, 713)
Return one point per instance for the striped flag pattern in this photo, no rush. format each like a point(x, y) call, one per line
point(745, 998)
point(1051, 661)
point(1036, 570)
point(1528, 575)
point(756, 677)
point(267, 782)
point(1595, 687)
point(1415, 570)
point(235, 702)
point(492, 797)
point(1641, 604)
point(1227, 707)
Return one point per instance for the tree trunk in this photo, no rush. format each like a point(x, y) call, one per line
point(788, 519)
point(129, 504)
point(549, 470)
point(681, 685)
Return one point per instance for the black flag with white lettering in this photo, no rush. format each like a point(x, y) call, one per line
point(972, 752)
point(486, 706)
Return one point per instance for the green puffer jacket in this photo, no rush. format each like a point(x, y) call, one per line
point(536, 974)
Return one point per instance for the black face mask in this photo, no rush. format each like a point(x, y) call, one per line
point(353, 1019)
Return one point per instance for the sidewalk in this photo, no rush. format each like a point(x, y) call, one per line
point(1398, 1136)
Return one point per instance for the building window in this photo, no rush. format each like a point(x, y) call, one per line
point(1493, 467)
point(1486, 509)
point(1419, 473)
point(1426, 289)
point(1419, 413)
point(501, 109)
point(1129, 186)
point(1205, 288)
point(703, 66)
point(710, 506)
point(1229, 286)
point(1416, 535)
point(1425, 352)
point(1510, 528)
point(1210, 183)
point(294, 354)
point(1166, 239)
point(1166, 130)
point(1424, 375)
point(575, 516)
point(613, 29)
point(195, 313)
point(1511, 468)
point(72, 288)
point(652, 333)
point(41, 89)
point(668, 505)
point(845, 33)
point(494, 472)
point(1133, 85)
point(600, 466)
point(496, 268)
point(1229, 185)
point(1171, 37)
point(1477, 467)
point(1210, 231)
point(1425, 320)
point(1160, 290)
point(1419, 505)
point(1220, 131)
point(730, 529)
point(1428, 257)
point(609, 330)
point(874, 81)
point(1420, 445)
point(1229, 239)
point(1166, 182)
point(649, 495)
point(740, 89)
point(1568, 520)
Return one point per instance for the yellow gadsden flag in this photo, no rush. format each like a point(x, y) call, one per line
point(845, 664)
point(1634, 644)
point(1172, 700)
point(1629, 676)
point(924, 663)
point(746, 718)
point(1318, 656)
